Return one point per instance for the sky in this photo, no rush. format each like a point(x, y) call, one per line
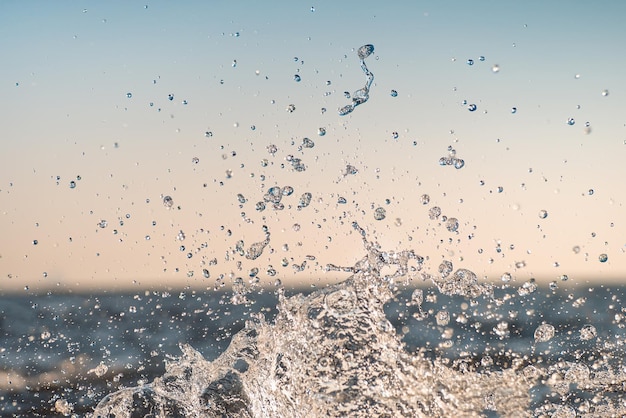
point(110, 107)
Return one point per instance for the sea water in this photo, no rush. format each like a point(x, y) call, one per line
point(373, 345)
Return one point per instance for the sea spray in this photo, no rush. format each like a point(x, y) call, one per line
point(332, 353)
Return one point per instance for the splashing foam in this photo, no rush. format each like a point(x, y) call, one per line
point(332, 353)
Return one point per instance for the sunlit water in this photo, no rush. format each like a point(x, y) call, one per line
point(373, 345)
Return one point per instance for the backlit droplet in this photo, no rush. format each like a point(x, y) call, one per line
point(605, 93)
point(394, 93)
point(472, 107)
point(168, 202)
point(452, 224)
point(380, 213)
point(321, 131)
point(495, 68)
point(481, 58)
point(603, 258)
point(72, 184)
point(543, 214)
point(129, 95)
point(543, 333)
point(470, 62)
point(394, 135)
point(588, 332)
point(513, 110)
point(170, 97)
point(297, 78)
point(571, 121)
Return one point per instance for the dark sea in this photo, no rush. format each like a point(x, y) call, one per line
point(365, 347)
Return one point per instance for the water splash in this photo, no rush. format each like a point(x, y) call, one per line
point(332, 353)
point(361, 95)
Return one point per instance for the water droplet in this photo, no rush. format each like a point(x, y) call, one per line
point(291, 108)
point(442, 318)
point(543, 333)
point(234, 64)
point(394, 93)
point(208, 134)
point(72, 184)
point(603, 258)
point(470, 62)
point(458, 163)
point(307, 143)
point(195, 160)
point(605, 93)
point(472, 107)
point(513, 110)
point(305, 200)
point(506, 277)
point(434, 212)
point(425, 199)
point(481, 58)
point(321, 131)
point(380, 213)
point(394, 135)
point(452, 224)
point(495, 68)
point(588, 332)
point(590, 192)
point(170, 97)
point(168, 202)
point(102, 224)
point(571, 121)
point(297, 78)
point(543, 214)
point(129, 95)
point(312, 9)
point(365, 51)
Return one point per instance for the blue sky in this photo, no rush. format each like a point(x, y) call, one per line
point(230, 67)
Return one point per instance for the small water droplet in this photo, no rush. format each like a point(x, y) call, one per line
point(129, 95)
point(603, 258)
point(472, 107)
point(291, 108)
point(588, 332)
point(234, 64)
point(481, 58)
point(605, 93)
point(394, 135)
point(394, 93)
point(425, 199)
point(297, 78)
point(495, 68)
point(168, 202)
point(321, 131)
point(380, 213)
point(452, 224)
point(571, 121)
point(312, 9)
point(72, 184)
point(543, 214)
point(170, 97)
point(513, 110)
point(470, 62)
point(544, 332)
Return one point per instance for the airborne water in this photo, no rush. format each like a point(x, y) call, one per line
point(413, 332)
point(335, 353)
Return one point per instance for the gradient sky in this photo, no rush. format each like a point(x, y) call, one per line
point(66, 116)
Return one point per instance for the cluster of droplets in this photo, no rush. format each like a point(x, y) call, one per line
point(361, 95)
point(274, 197)
point(451, 159)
